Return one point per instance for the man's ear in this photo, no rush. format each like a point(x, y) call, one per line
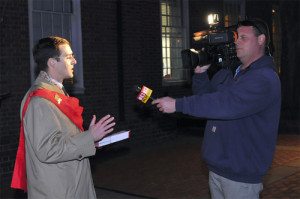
point(261, 39)
point(51, 62)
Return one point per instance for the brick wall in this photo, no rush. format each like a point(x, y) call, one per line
point(14, 78)
point(140, 57)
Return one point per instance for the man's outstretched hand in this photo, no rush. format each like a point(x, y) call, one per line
point(102, 127)
point(165, 104)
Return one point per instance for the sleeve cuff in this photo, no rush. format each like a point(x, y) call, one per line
point(200, 76)
point(179, 105)
point(87, 147)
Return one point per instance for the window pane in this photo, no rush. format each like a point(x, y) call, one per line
point(168, 30)
point(37, 31)
point(163, 20)
point(67, 26)
point(165, 62)
point(163, 9)
point(37, 4)
point(47, 5)
point(58, 6)
point(167, 42)
point(57, 24)
point(168, 9)
point(177, 43)
point(67, 6)
point(163, 53)
point(175, 11)
point(46, 24)
point(179, 55)
point(168, 52)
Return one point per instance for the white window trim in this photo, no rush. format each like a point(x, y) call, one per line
point(186, 23)
point(186, 41)
point(78, 87)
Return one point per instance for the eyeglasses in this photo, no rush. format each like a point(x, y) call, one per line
point(68, 56)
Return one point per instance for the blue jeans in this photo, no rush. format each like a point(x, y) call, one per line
point(223, 188)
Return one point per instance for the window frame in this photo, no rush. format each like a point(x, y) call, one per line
point(76, 41)
point(185, 43)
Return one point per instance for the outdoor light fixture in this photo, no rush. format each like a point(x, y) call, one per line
point(213, 19)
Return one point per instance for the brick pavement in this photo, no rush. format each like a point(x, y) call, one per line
point(175, 170)
point(283, 179)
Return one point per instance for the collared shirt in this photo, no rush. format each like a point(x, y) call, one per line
point(47, 77)
point(237, 70)
point(60, 85)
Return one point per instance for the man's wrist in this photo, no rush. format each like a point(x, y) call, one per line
point(178, 105)
point(202, 70)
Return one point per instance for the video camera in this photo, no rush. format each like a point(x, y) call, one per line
point(216, 47)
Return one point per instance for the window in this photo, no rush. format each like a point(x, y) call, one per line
point(60, 18)
point(174, 18)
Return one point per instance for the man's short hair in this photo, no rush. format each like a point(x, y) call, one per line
point(46, 48)
point(260, 27)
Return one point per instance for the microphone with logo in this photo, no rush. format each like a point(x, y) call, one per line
point(144, 93)
point(145, 108)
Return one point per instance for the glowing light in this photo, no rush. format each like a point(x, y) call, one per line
point(213, 19)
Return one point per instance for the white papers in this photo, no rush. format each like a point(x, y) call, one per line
point(116, 137)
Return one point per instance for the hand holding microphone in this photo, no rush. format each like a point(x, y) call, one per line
point(164, 104)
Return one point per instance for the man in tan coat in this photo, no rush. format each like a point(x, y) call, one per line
point(56, 146)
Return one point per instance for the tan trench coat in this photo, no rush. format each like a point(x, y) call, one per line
point(57, 152)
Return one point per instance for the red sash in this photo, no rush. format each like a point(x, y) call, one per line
point(68, 105)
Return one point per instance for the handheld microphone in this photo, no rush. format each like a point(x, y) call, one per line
point(144, 93)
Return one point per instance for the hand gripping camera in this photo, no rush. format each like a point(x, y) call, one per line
point(216, 47)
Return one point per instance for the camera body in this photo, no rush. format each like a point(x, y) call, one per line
point(214, 46)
